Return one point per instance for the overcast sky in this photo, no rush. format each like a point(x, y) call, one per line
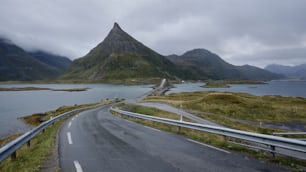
point(255, 32)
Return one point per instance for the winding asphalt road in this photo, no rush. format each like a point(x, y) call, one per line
point(175, 110)
point(96, 140)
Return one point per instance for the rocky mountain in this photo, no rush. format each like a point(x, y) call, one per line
point(202, 64)
point(18, 65)
point(119, 57)
point(298, 72)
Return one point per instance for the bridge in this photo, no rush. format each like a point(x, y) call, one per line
point(162, 88)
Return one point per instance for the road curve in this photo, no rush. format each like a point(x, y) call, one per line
point(95, 140)
point(175, 110)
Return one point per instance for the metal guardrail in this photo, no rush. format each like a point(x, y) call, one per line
point(11, 148)
point(276, 144)
point(290, 133)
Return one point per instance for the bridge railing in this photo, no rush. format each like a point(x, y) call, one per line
point(276, 144)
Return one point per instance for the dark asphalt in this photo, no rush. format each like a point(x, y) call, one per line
point(102, 142)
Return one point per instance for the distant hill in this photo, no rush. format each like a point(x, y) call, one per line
point(202, 64)
point(18, 65)
point(59, 62)
point(298, 71)
point(120, 57)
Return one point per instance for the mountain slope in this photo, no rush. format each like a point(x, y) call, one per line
point(120, 56)
point(18, 65)
point(298, 71)
point(202, 64)
point(59, 62)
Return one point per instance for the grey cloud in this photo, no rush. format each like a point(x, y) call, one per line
point(239, 30)
point(285, 56)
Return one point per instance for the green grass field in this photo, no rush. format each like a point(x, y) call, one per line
point(240, 105)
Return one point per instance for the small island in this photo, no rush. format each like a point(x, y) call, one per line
point(225, 83)
point(40, 89)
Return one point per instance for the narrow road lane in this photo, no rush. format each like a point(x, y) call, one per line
point(175, 110)
point(95, 140)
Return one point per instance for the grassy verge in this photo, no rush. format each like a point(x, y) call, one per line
point(213, 139)
point(32, 158)
point(153, 112)
point(241, 106)
point(38, 118)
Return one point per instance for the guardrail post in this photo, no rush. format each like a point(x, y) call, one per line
point(13, 156)
point(179, 129)
point(29, 143)
point(272, 150)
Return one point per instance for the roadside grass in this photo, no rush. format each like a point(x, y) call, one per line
point(238, 125)
point(149, 111)
point(31, 159)
point(241, 106)
point(212, 139)
point(38, 118)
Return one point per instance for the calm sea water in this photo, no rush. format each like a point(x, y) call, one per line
point(23, 103)
point(282, 88)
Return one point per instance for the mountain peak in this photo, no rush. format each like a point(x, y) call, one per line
point(116, 25)
point(118, 40)
point(116, 28)
point(120, 56)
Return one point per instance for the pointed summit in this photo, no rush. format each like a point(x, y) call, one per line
point(116, 26)
point(120, 56)
point(118, 40)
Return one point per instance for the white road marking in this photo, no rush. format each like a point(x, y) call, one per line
point(69, 138)
point(69, 125)
point(212, 147)
point(77, 166)
point(72, 119)
point(152, 129)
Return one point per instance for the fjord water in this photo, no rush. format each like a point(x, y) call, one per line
point(15, 104)
point(277, 87)
point(22, 103)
